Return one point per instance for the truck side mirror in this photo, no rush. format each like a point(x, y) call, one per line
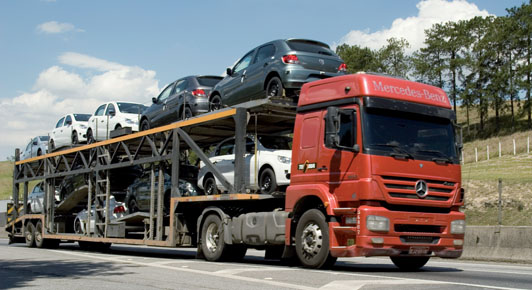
point(229, 71)
point(332, 126)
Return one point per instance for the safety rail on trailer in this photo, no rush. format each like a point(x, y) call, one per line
point(153, 149)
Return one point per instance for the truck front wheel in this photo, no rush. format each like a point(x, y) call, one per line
point(212, 238)
point(409, 263)
point(312, 240)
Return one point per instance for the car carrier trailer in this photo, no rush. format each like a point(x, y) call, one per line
point(396, 196)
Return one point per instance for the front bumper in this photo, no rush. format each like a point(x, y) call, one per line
point(410, 234)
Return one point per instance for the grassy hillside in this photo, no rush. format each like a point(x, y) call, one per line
point(6, 179)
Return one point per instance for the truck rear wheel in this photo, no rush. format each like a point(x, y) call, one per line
point(30, 235)
point(39, 240)
point(312, 240)
point(212, 239)
point(409, 263)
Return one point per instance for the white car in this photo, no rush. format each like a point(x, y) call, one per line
point(266, 172)
point(36, 198)
point(38, 146)
point(111, 116)
point(69, 130)
point(116, 210)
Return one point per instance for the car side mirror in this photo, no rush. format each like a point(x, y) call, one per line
point(229, 71)
point(112, 113)
point(154, 100)
point(68, 123)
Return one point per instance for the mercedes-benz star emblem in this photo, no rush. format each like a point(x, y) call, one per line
point(421, 188)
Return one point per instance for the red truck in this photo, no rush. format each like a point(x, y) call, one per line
point(375, 172)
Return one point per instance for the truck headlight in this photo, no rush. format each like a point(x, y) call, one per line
point(377, 223)
point(285, 160)
point(458, 227)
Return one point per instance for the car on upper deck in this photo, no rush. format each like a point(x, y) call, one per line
point(68, 131)
point(112, 116)
point(276, 68)
point(184, 98)
point(36, 147)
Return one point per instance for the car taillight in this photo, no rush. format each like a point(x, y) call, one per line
point(119, 209)
point(342, 67)
point(290, 58)
point(198, 93)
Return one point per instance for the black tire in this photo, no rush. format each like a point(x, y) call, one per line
point(215, 103)
point(409, 263)
point(132, 206)
point(29, 234)
point(274, 87)
point(212, 239)
point(209, 186)
point(185, 113)
point(90, 137)
point(118, 127)
point(75, 139)
point(39, 152)
point(267, 181)
point(52, 146)
point(77, 227)
point(312, 240)
point(29, 208)
point(39, 240)
point(145, 125)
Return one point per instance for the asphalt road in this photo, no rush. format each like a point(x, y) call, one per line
point(132, 267)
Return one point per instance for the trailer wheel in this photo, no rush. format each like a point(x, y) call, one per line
point(212, 240)
point(312, 240)
point(30, 235)
point(209, 185)
point(267, 181)
point(409, 263)
point(39, 240)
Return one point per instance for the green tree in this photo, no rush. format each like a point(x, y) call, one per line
point(357, 58)
point(392, 59)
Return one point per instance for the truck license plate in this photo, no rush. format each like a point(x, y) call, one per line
point(418, 250)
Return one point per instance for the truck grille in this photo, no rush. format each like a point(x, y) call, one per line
point(404, 187)
point(419, 240)
point(401, 228)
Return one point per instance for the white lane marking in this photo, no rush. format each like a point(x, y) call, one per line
point(242, 270)
point(241, 278)
point(169, 262)
point(357, 284)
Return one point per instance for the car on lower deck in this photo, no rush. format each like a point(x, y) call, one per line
point(184, 98)
point(276, 68)
point(36, 198)
point(70, 130)
point(113, 116)
point(117, 210)
point(267, 168)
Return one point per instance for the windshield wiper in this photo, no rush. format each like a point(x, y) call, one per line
point(443, 158)
point(400, 152)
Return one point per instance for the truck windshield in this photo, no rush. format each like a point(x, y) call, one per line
point(415, 136)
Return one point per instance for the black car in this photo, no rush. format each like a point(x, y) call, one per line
point(276, 68)
point(184, 98)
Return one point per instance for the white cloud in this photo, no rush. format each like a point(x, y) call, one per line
point(58, 91)
point(54, 27)
point(413, 28)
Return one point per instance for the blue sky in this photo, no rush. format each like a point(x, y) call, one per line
point(62, 56)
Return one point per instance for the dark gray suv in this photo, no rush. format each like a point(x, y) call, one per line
point(181, 99)
point(276, 68)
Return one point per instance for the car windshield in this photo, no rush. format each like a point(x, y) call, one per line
point(44, 138)
point(131, 108)
point(411, 135)
point(208, 81)
point(81, 118)
point(308, 46)
point(276, 142)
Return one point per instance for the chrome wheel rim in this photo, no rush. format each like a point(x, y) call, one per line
point(312, 240)
point(212, 238)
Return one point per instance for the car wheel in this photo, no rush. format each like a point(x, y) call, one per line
point(52, 145)
point(90, 137)
point(39, 152)
point(186, 113)
point(209, 185)
point(312, 240)
point(118, 127)
point(29, 208)
point(409, 263)
point(144, 125)
point(212, 239)
point(215, 103)
point(274, 87)
point(133, 207)
point(75, 138)
point(30, 235)
point(78, 229)
point(267, 181)
point(39, 240)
